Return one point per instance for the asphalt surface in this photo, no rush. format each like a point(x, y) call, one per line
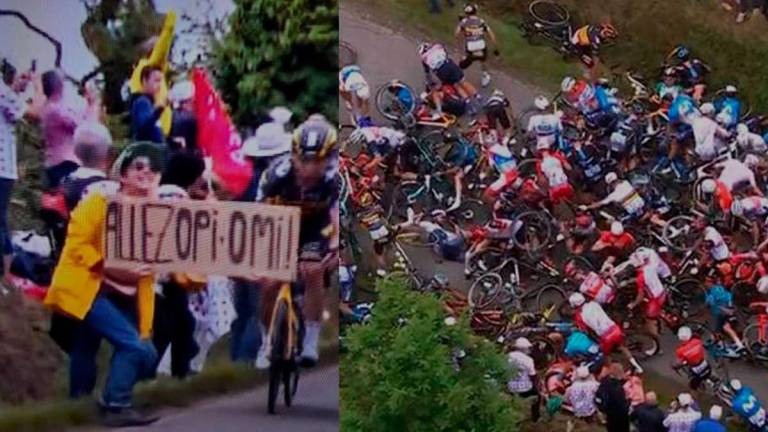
point(384, 53)
point(315, 409)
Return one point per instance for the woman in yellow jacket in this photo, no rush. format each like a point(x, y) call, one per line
point(112, 304)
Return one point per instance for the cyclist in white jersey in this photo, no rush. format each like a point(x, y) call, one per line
point(592, 285)
point(471, 36)
point(354, 89)
point(754, 209)
point(736, 174)
point(650, 271)
point(435, 61)
point(544, 125)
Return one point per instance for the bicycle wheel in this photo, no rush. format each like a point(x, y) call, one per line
point(472, 212)
point(406, 195)
point(534, 232)
point(347, 54)
point(550, 300)
point(484, 290)
point(689, 295)
point(744, 293)
point(581, 262)
point(290, 383)
point(278, 363)
point(641, 344)
point(679, 234)
point(757, 345)
point(549, 13)
point(395, 100)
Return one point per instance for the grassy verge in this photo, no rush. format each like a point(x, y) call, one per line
point(220, 376)
point(539, 65)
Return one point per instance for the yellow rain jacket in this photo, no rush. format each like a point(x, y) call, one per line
point(159, 58)
point(77, 278)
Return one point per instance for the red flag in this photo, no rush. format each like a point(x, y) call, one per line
point(217, 136)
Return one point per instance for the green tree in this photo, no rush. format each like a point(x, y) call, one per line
point(398, 373)
point(279, 52)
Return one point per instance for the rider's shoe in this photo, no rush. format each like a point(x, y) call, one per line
point(636, 366)
point(309, 351)
point(125, 417)
point(262, 361)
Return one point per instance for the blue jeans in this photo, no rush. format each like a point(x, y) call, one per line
point(133, 359)
point(246, 334)
point(6, 189)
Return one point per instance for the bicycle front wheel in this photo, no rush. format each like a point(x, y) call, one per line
point(395, 100)
point(279, 365)
point(484, 290)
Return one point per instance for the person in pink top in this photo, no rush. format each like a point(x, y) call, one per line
point(59, 118)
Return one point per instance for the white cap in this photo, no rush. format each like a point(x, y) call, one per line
point(684, 333)
point(736, 384)
point(567, 84)
point(576, 299)
point(582, 372)
point(364, 92)
point(707, 108)
point(751, 160)
point(181, 91)
point(722, 118)
point(708, 186)
point(731, 89)
point(280, 115)
point(762, 285)
point(541, 102)
point(736, 208)
point(523, 343)
point(270, 139)
point(611, 177)
point(742, 129)
point(685, 399)
point(617, 228)
point(715, 412)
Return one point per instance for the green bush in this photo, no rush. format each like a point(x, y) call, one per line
point(279, 52)
point(398, 375)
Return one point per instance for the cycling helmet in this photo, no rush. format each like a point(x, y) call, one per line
point(437, 213)
point(682, 52)
point(523, 343)
point(762, 285)
point(670, 73)
point(684, 333)
point(315, 138)
point(570, 269)
point(541, 102)
point(617, 228)
point(708, 186)
point(611, 177)
point(567, 84)
point(735, 384)
point(608, 31)
point(716, 412)
point(424, 47)
point(742, 129)
point(470, 9)
point(707, 109)
point(576, 300)
point(731, 89)
point(737, 209)
point(751, 160)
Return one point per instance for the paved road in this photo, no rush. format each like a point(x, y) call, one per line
point(385, 54)
point(315, 409)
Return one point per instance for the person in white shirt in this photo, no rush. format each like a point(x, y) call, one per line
point(523, 383)
point(736, 174)
point(580, 395)
point(709, 136)
point(749, 141)
point(650, 270)
point(435, 60)
point(544, 125)
point(684, 417)
point(754, 209)
point(354, 89)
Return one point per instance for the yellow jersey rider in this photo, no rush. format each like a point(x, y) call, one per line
point(587, 41)
point(471, 37)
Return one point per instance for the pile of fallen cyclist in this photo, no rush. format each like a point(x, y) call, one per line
point(587, 225)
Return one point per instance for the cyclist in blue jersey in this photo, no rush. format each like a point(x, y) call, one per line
point(681, 112)
point(747, 406)
point(690, 70)
point(580, 347)
point(448, 244)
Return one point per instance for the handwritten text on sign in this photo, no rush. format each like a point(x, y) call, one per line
point(221, 238)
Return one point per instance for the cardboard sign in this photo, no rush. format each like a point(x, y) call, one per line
point(225, 238)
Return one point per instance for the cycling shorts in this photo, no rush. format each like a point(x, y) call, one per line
point(654, 306)
point(612, 339)
point(451, 249)
point(564, 192)
point(449, 73)
point(722, 319)
point(497, 114)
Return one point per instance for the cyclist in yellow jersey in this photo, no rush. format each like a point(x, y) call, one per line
point(309, 179)
point(588, 39)
point(471, 36)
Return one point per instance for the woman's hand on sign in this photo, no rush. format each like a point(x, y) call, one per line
point(143, 270)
